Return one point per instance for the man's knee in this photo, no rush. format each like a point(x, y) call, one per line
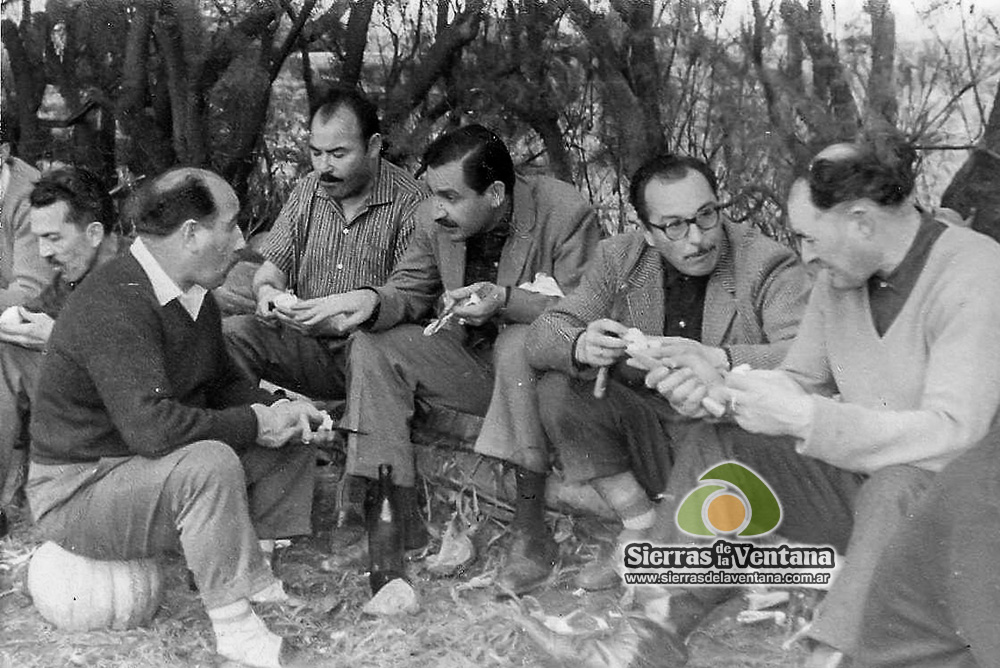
point(206, 464)
point(555, 398)
point(893, 488)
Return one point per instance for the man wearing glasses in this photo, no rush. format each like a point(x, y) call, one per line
point(706, 293)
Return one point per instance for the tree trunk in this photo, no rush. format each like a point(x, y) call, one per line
point(975, 190)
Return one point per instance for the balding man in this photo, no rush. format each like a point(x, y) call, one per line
point(146, 438)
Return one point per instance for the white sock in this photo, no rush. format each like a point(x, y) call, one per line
point(240, 635)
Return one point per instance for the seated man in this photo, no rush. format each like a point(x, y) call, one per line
point(704, 289)
point(934, 599)
point(146, 438)
point(483, 232)
point(896, 368)
point(23, 274)
point(345, 225)
point(71, 217)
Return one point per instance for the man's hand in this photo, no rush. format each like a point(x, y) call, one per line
point(322, 316)
point(265, 310)
point(334, 314)
point(684, 379)
point(285, 421)
point(677, 347)
point(770, 402)
point(490, 301)
point(601, 344)
point(33, 332)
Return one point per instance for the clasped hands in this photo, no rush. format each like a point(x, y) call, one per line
point(285, 421)
point(333, 315)
point(691, 375)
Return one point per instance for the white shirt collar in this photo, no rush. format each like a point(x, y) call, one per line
point(163, 286)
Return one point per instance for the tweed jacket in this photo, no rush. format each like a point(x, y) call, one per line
point(753, 302)
point(23, 272)
point(553, 230)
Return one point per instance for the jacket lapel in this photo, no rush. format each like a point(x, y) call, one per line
point(720, 297)
point(645, 297)
point(517, 250)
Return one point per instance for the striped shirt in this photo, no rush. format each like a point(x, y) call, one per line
point(327, 253)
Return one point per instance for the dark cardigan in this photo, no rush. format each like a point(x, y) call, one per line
point(123, 375)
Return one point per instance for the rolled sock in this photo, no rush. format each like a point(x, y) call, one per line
point(628, 499)
point(240, 635)
point(272, 593)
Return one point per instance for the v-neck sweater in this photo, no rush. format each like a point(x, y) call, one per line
point(925, 391)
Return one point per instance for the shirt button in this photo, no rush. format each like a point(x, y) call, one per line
point(682, 324)
point(346, 230)
point(340, 266)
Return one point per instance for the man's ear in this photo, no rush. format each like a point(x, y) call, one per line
point(374, 145)
point(4, 151)
point(497, 190)
point(189, 232)
point(94, 233)
point(863, 219)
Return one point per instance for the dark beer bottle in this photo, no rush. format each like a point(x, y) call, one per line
point(385, 533)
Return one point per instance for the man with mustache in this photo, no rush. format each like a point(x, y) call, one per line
point(345, 225)
point(147, 439)
point(485, 231)
point(71, 217)
point(706, 292)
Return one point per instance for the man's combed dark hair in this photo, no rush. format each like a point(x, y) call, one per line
point(162, 209)
point(667, 167)
point(883, 168)
point(338, 97)
point(84, 193)
point(485, 158)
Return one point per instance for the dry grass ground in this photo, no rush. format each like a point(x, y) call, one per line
point(460, 624)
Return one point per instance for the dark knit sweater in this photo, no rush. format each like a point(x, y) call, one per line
point(125, 376)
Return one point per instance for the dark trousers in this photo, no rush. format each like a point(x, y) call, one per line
point(934, 599)
point(202, 500)
point(308, 365)
point(626, 430)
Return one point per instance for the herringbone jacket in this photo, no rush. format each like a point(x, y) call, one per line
point(753, 302)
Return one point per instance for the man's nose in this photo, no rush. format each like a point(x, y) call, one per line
point(808, 254)
point(694, 234)
point(45, 248)
point(240, 242)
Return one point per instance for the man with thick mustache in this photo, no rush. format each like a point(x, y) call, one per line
point(71, 217)
point(707, 292)
point(485, 231)
point(345, 225)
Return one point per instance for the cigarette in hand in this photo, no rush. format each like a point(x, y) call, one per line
point(601, 383)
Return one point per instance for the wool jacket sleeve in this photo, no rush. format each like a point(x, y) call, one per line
point(961, 390)
point(552, 337)
point(572, 249)
point(127, 367)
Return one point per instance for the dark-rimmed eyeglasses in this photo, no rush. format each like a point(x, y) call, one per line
point(676, 229)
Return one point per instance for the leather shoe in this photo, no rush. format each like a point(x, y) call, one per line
point(529, 563)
